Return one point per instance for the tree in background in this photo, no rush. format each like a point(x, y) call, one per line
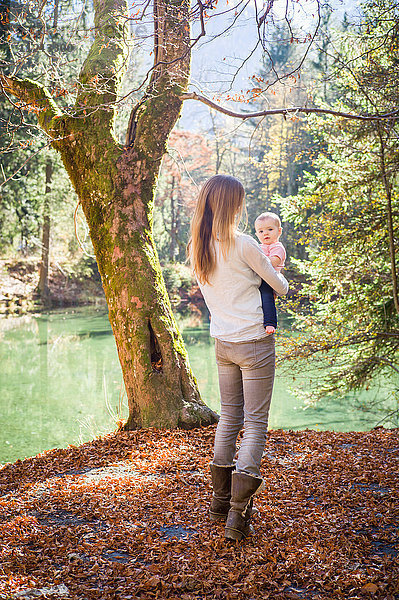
point(348, 214)
point(185, 167)
point(45, 259)
point(284, 149)
point(188, 162)
point(35, 186)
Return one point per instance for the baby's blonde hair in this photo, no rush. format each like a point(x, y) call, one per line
point(268, 215)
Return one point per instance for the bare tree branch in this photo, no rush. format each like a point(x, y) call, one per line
point(35, 97)
point(290, 111)
point(312, 347)
point(260, 20)
point(5, 180)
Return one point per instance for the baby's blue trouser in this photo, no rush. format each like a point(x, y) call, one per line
point(268, 305)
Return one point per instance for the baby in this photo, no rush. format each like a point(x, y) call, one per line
point(268, 231)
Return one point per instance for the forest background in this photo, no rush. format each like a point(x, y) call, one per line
point(334, 181)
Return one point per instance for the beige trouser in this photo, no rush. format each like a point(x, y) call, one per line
point(246, 376)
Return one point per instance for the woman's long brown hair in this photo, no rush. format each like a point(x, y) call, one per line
point(216, 216)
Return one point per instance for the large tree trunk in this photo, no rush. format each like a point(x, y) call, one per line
point(160, 386)
point(116, 188)
point(116, 185)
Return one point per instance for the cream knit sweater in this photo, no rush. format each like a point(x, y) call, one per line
point(233, 296)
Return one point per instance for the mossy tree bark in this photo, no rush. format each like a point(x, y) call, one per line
point(115, 185)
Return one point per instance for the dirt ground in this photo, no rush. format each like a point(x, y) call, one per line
point(126, 516)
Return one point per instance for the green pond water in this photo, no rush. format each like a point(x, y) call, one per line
point(61, 384)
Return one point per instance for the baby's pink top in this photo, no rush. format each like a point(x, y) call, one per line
point(276, 249)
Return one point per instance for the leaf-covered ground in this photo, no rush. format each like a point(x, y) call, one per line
point(126, 517)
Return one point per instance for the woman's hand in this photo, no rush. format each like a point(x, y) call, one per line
point(253, 255)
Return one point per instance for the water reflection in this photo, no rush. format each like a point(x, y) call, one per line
point(350, 412)
point(61, 383)
point(58, 372)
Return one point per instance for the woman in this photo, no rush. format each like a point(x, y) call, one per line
point(229, 267)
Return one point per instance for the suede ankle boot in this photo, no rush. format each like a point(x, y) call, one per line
point(243, 488)
point(221, 484)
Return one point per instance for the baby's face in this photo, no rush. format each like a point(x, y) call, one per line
point(267, 231)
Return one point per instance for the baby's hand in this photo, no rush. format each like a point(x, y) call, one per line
point(276, 261)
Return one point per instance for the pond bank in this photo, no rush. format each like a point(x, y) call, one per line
point(19, 278)
point(125, 516)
